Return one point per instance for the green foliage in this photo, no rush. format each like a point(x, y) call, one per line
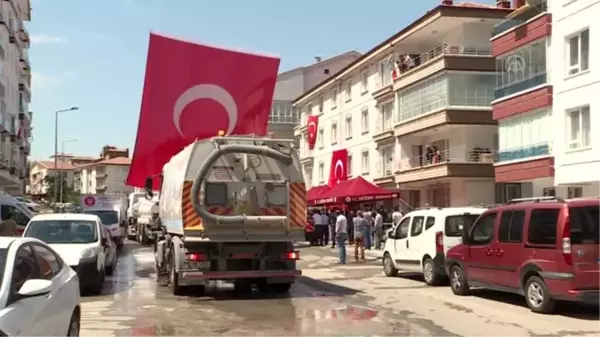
point(68, 193)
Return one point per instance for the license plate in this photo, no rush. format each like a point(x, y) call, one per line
point(200, 265)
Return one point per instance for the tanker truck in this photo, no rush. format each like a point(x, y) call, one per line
point(145, 229)
point(231, 209)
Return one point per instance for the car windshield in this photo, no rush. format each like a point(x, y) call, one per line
point(584, 225)
point(62, 231)
point(107, 217)
point(456, 224)
point(2, 264)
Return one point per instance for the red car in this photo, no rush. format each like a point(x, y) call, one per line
point(543, 248)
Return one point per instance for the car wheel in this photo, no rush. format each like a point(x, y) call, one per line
point(388, 266)
point(176, 289)
point(430, 274)
point(74, 324)
point(458, 281)
point(537, 296)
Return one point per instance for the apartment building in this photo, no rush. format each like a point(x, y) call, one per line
point(106, 175)
point(414, 112)
point(15, 95)
point(40, 169)
point(523, 102)
point(293, 83)
point(575, 123)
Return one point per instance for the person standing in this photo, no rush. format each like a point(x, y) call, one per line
point(317, 219)
point(396, 216)
point(378, 230)
point(325, 224)
point(359, 236)
point(341, 235)
point(332, 221)
point(368, 217)
point(350, 220)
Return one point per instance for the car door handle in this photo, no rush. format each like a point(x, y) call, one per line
point(406, 243)
point(499, 252)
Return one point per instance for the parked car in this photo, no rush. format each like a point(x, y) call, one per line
point(32, 206)
point(111, 253)
point(422, 237)
point(39, 294)
point(79, 239)
point(543, 248)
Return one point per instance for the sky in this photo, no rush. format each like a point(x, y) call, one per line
point(92, 54)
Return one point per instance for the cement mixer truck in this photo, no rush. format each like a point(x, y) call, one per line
point(231, 209)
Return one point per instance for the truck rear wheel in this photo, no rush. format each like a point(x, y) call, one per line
point(176, 289)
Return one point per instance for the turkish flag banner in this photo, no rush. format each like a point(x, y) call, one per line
point(338, 171)
point(313, 126)
point(192, 91)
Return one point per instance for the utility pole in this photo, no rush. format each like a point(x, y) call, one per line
point(57, 174)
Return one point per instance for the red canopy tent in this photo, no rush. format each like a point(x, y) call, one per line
point(314, 193)
point(356, 189)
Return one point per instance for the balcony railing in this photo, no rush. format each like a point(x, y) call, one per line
point(410, 62)
point(384, 124)
point(535, 150)
point(445, 156)
point(514, 88)
point(384, 169)
point(509, 24)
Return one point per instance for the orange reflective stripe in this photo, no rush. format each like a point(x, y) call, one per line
point(297, 200)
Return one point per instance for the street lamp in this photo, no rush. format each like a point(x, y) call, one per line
point(56, 175)
point(61, 172)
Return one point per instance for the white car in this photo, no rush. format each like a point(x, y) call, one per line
point(39, 293)
point(420, 241)
point(32, 206)
point(79, 239)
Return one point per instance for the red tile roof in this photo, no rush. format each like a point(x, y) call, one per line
point(61, 165)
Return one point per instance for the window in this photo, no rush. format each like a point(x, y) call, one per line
point(26, 268)
point(49, 263)
point(511, 226)
point(349, 166)
point(364, 120)
point(521, 69)
point(334, 134)
point(579, 52)
point(320, 138)
point(429, 222)
point(63, 231)
point(364, 81)
point(320, 103)
point(456, 224)
point(483, 230)
point(365, 162)
point(321, 172)
point(334, 98)
point(309, 109)
point(542, 226)
point(422, 98)
point(585, 225)
point(11, 212)
point(402, 229)
point(349, 127)
point(578, 128)
point(348, 91)
point(417, 226)
point(574, 192)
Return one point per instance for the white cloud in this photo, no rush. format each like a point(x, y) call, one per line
point(42, 81)
point(70, 74)
point(45, 39)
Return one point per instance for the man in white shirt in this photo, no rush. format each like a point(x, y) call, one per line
point(341, 235)
point(397, 215)
point(320, 227)
point(378, 230)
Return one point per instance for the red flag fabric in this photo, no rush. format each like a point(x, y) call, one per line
point(337, 171)
point(192, 91)
point(313, 126)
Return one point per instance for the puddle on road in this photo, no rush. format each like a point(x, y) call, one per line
point(352, 313)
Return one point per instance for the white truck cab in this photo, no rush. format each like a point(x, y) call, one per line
point(420, 241)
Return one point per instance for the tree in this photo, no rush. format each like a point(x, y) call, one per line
point(53, 186)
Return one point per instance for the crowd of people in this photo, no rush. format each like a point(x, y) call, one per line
point(362, 228)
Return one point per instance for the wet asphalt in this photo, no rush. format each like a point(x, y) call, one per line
point(133, 304)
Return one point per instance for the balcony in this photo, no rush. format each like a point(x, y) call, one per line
point(528, 13)
point(23, 35)
point(282, 112)
point(450, 57)
point(523, 153)
point(451, 162)
point(384, 173)
point(531, 82)
point(306, 155)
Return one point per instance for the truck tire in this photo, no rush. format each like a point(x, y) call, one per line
point(176, 289)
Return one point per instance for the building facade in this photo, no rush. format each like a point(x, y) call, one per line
point(105, 175)
point(293, 83)
point(414, 112)
point(15, 95)
point(576, 100)
point(523, 104)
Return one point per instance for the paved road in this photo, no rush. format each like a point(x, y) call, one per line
point(329, 300)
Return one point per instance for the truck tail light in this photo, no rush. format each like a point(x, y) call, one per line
point(566, 239)
point(195, 257)
point(293, 255)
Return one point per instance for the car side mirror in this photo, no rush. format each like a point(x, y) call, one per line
point(390, 235)
point(34, 288)
point(148, 186)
